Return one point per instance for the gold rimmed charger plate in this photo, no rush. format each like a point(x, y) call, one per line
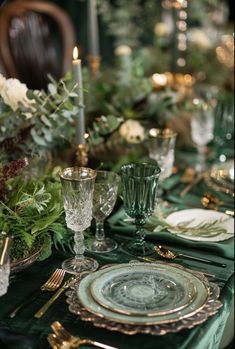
point(145, 290)
point(221, 177)
point(211, 306)
point(224, 174)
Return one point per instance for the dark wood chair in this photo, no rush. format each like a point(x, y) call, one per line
point(36, 39)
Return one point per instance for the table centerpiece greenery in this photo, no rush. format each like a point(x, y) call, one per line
point(31, 211)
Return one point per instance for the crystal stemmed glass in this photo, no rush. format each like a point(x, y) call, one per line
point(105, 196)
point(139, 183)
point(202, 128)
point(77, 188)
point(161, 146)
point(224, 128)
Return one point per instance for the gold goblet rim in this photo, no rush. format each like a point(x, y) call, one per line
point(91, 174)
point(164, 133)
point(116, 175)
point(156, 167)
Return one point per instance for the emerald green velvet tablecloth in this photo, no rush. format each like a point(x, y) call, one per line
point(24, 331)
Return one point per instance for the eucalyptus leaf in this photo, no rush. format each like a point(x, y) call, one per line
point(52, 88)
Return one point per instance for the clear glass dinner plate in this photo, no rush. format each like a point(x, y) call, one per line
point(143, 290)
point(199, 217)
point(210, 308)
point(198, 301)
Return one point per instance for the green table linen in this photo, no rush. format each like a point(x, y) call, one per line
point(205, 336)
point(120, 228)
point(27, 281)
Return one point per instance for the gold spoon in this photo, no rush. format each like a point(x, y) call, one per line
point(211, 201)
point(165, 253)
point(61, 338)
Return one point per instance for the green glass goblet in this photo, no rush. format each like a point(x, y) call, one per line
point(139, 181)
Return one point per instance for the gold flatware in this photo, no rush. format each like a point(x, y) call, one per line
point(193, 182)
point(4, 249)
point(155, 260)
point(50, 285)
point(165, 253)
point(63, 339)
point(211, 201)
point(188, 175)
point(46, 306)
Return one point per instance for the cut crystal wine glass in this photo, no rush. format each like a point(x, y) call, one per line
point(105, 196)
point(140, 183)
point(161, 146)
point(202, 129)
point(77, 188)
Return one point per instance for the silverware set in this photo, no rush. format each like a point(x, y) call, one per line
point(46, 306)
point(61, 338)
point(51, 285)
point(168, 254)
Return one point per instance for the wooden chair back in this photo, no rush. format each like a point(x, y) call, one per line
point(36, 39)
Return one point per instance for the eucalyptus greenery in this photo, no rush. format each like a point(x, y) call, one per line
point(131, 22)
point(204, 229)
point(44, 121)
point(121, 18)
point(32, 213)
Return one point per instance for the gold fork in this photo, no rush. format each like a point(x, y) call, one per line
point(50, 285)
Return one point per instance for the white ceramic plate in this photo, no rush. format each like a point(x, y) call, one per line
point(200, 216)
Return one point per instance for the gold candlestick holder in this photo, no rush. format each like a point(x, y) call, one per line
point(94, 64)
point(82, 155)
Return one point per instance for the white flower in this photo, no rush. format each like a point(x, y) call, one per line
point(13, 92)
point(161, 29)
point(200, 39)
point(132, 131)
point(123, 50)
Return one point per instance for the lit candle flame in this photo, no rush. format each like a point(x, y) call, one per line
point(75, 53)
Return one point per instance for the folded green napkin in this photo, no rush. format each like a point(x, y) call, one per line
point(173, 187)
point(118, 225)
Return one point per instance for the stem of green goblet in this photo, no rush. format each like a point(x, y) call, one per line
point(140, 232)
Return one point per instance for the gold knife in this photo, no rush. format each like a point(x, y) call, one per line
point(187, 189)
point(45, 307)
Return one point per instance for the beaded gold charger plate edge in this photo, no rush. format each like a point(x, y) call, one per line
point(211, 307)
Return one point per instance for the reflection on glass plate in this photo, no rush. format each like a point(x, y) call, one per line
point(201, 225)
point(143, 291)
point(206, 303)
point(169, 315)
point(224, 173)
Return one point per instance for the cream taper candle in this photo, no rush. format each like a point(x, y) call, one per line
point(77, 76)
point(93, 30)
